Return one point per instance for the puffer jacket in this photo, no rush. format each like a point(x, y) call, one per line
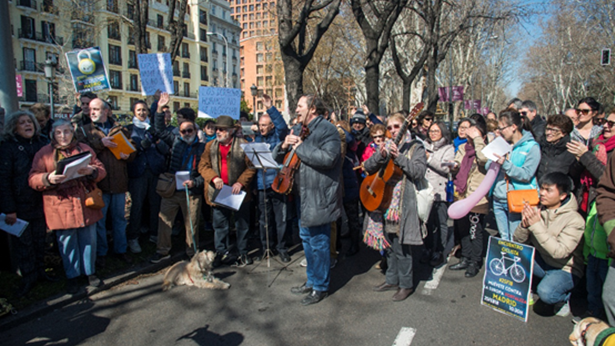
point(555, 157)
point(437, 173)
point(557, 237)
point(477, 174)
point(152, 158)
point(319, 175)
point(16, 155)
point(64, 204)
point(275, 136)
point(239, 167)
point(116, 180)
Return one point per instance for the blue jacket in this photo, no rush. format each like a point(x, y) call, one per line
point(520, 168)
point(275, 136)
point(153, 157)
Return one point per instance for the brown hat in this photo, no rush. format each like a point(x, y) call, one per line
point(224, 121)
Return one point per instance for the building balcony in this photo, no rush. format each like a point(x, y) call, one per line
point(117, 62)
point(163, 48)
point(186, 74)
point(37, 36)
point(82, 17)
point(49, 8)
point(189, 35)
point(204, 58)
point(156, 24)
point(134, 88)
point(176, 72)
point(186, 55)
point(204, 77)
point(82, 43)
point(31, 66)
point(132, 63)
point(27, 3)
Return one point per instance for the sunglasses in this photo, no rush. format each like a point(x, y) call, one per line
point(523, 114)
point(599, 121)
point(584, 111)
point(610, 123)
point(396, 126)
point(428, 119)
point(378, 136)
point(186, 131)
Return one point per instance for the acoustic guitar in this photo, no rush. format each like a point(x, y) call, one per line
point(377, 189)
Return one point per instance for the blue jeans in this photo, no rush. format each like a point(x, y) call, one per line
point(595, 274)
point(316, 244)
point(76, 247)
point(115, 203)
point(507, 222)
point(555, 284)
point(221, 218)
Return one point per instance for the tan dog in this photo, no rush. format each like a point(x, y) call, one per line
point(197, 273)
point(587, 333)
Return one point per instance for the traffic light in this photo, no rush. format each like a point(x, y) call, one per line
point(606, 57)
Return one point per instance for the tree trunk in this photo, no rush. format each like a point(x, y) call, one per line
point(140, 25)
point(431, 97)
point(407, 92)
point(293, 73)
point(177, 28)
point(372, 79)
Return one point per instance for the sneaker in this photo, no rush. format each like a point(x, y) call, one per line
point(227, 258)
point(244, 260)
point(72, 286)
point(303, 263)
point(94, 281)
point(562, 309)
point(134, 246)
point(532, 298)
point(159, 257)
point(153, 239)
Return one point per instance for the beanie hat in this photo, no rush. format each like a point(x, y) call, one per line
point(358, 117)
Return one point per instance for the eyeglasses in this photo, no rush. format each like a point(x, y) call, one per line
point(223, 129)
point(378, 136)
point(609, 123)
point(584, 111)
point(434, 131)
point(503, 128)
point(523, 113)
point(186, 131)
point(394, 126)
point(552, 129)
point(599, 121)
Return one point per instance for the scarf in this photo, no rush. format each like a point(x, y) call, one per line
point(602, 146)
point(141, 124)
point(459, 141)
point(461, 179)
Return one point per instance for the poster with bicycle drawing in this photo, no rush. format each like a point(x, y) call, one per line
point(508, 277)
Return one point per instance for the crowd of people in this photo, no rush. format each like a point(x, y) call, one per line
point(565, 158)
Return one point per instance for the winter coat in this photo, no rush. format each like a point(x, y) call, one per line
point(152, 158)
point(413, 168)
point(557, 237)
point(437, 173)
point(239, 167)
point(594, 166)
point(605, 197)
point(538, 128)
point(476, 175)
point(116, 180)
point(555, 157)
point(275, 136)
point(351, 182)
point(520, 168)
point(16, 155)
point(64, 204)
point(319, 175)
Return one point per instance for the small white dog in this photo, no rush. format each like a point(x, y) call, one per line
point(197, 273)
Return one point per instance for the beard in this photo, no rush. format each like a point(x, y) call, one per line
point(224, 137)
point(188, 139)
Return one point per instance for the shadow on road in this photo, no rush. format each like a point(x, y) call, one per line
point(202, 336)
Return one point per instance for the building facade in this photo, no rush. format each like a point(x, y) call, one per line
point(224, 35)
point(43, 29)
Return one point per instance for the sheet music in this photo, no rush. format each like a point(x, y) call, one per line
point(499, 146)
point(226, 198)
point(263, 152)
point(71, 170)
point(180, 178)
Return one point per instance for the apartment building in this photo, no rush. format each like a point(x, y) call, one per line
point(224, 34)
point(260, 61)
point(43, 29)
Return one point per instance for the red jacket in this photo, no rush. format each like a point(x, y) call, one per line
point(64, 204)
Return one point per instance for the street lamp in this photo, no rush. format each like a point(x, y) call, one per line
point(227, 83)
point(254, 92)
point(50, 67)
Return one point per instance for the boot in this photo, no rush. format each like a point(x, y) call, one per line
point(463, 264)
point(472, 270)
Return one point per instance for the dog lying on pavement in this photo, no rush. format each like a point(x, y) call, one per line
point(197, 272)
point(591, 331)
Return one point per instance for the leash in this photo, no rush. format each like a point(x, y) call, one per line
point(190, 219)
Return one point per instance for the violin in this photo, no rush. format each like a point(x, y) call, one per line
point(283, 182)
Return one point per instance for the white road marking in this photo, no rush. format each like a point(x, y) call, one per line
point(432, 284)
point(404, 337)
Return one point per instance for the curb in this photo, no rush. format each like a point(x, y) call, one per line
point(56, 302)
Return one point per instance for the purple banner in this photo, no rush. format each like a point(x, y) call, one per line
point(467, 104)
point(443, 94)
point(484, 111)
point(458, 93)
point(19, 82)
point(477, 104)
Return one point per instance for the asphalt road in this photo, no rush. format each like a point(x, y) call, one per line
point(260, 310)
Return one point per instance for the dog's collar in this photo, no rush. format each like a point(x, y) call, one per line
point(583, 332)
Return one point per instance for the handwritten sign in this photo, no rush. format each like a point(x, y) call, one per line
point(88, 70)
point(214, 102)
point(508, 277)
point(156, 73)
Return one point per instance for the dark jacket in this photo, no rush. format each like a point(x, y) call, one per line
point(184, 156)
point(275, 136)
point(153, 157)
point(554, 157)
point(351, 182)
point(318, 178)
point(46, 131)
point(16, 155)
point(538, 128)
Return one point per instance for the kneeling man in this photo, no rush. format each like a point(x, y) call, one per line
point(555, 231)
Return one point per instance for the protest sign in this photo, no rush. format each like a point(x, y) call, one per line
point(19, 82)
point(214, 102)
point(88, 70)
point(458, 93)
point(156, 73)
point(443, 93)
point(508, 277)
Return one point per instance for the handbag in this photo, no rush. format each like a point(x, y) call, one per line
point(518, 198)
point(94, 198)
point(424, 191)
point(166, 185)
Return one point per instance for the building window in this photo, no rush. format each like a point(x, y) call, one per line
point(115, 55)
point(185, 51)
point(27, 28)
point(114, 103)
point(29, 60)
point(203, 51)
point(259, 57)
point(134, 83)
point(161, 44)
point(203, 35)
point(115, 79)
point(186, 71)
point(202, 17)
point(204, 76)
point(175, 106)
point(113, 31)
point(160, 21)
point(187, 89)
point(259, 46)
point(259, 81)
point(176, 69)
point(132, 59)
point(31, 91)
point(259, 69)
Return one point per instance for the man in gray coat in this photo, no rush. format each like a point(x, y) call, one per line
point(319, 189)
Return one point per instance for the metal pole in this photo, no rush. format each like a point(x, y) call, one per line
point(450, 106)
point(8, 87)
point(254, 105)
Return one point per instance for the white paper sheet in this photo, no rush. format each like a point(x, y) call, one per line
point(180, 178)
point(262, 149)
point(70, 170)
point(499, 146)
point(15, 229)
point(226, 198)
